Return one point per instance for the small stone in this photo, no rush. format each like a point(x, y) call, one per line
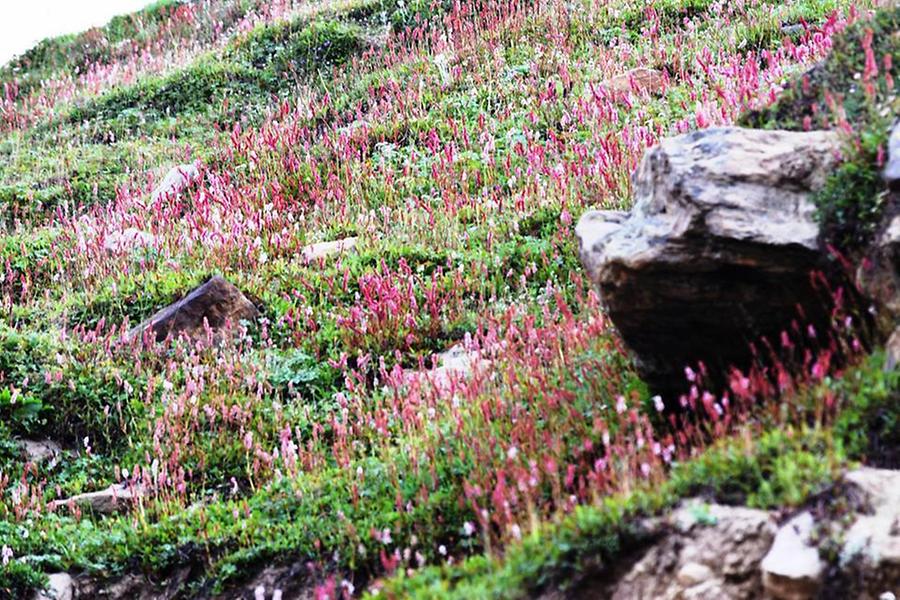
point(315, 252)
point(128, 239)
point(692, 574)
point(113, 499)
point(793, 570)
point(640, 80)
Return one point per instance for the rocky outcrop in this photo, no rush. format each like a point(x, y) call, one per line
point(176, 181)
point(717, 250)
point(217, 304)
point(710, 552)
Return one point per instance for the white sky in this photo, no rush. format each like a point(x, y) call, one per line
point(25, 22)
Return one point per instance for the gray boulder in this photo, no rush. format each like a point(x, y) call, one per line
point(717, 250)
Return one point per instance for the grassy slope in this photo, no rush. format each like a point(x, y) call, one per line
point(377, 129)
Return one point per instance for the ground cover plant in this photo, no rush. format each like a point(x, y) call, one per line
point(458, 142)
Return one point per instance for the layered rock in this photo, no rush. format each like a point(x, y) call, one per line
point(216, 305)
point(717, 250)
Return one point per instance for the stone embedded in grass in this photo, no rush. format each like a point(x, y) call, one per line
point(113, 499)
point(128, 239)
point(314, 252)
point(793, 569)
point(41, 451)
point(717, 250)
point(216, 305)
point(636, 81)
point(176, 181)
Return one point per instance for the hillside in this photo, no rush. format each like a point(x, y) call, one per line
point(291, 295)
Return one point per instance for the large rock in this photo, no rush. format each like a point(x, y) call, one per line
point(717, 250)
point(128, 239)
point(216, 304)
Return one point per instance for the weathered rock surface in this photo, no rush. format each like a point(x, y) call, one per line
point(60, 586)
point(793, 570)
point(113, 499)
point(216, 304)
point(176, 181)
point(41, 452)
point(711, 551)
point(323, 250)
point(717, 250)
